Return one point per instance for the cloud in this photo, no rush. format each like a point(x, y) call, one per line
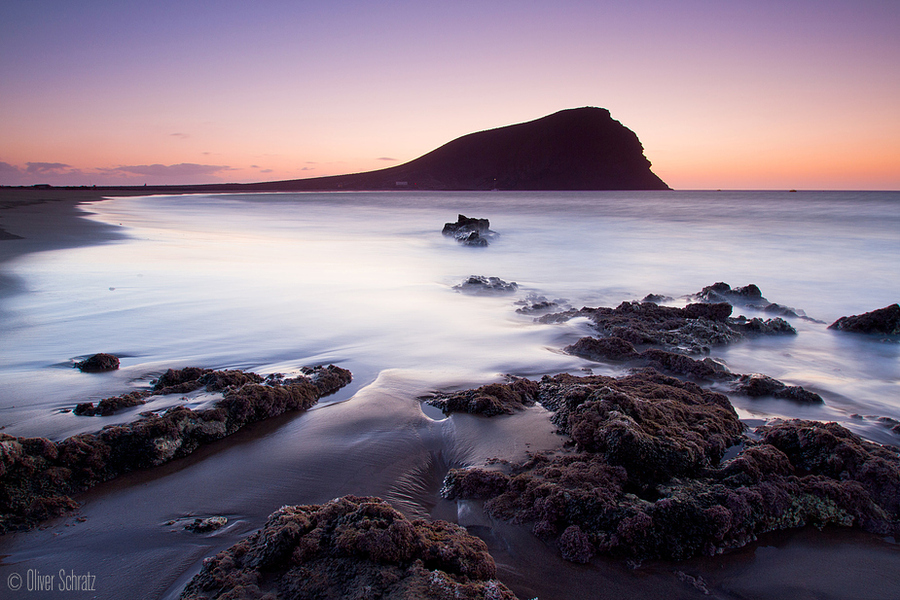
point(180, 136)
point(40, 168)
point(181, 170)
point(387, 158)
point(265, 170)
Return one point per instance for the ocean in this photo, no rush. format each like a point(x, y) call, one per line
point(274, 282)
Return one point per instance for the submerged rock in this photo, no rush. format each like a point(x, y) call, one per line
point(884, 320)
point(645, 480)
point(486, 286)
point(38, 475)
point(469, 232)
point(98, 363)
point(206, 525)
point(351, 547)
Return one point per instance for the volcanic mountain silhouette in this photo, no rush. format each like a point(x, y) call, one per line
point(575, 149)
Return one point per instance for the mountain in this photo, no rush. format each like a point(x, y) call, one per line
point(575, 149)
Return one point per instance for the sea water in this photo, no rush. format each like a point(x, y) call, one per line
point(273, 282)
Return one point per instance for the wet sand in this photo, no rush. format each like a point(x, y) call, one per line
point(373, 438)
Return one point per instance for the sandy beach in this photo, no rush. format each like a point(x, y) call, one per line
point(371, 438)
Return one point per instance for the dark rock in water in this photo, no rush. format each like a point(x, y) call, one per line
point(884, 320)
point(469, 232)
point(722, 292)
point(679, 364)
point(488, 400)
point(351, 547)
point(657, 298)
point(533, 304)
point(756, 385)
point(182, 381)
point(110, 406)
point(645, 481)
point(38, 475)
point(610, 348)
point(486, 286)
point(206, 525)
point(689, 330)
point(776, 326)
point(98, 363)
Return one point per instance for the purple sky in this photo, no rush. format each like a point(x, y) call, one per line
point(789, 94)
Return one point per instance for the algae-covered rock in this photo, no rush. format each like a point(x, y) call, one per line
point(98, 363)
point(37, 476)
point(351, 547)
point(644, 476)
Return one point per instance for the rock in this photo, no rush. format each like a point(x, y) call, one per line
point(609, 348)
point(884, 320)
point(98, 363)
point(110, 406)
point(722, 292)
point(643, 478)
point(756, 385)
point(479, 285)
point(689, 330)
point(489, 400)
point(619, 350)
point(534, 303)
point(351, 547)
point(776, 326)
point(206, 525)
point(469, 232)
point(37, 476)
point(657, 298)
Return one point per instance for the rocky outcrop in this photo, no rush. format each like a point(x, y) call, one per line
point(489, 400)
point(37, 476)
point(689, 330)
point(757, 385)
point(98, 363)
point(884, 321)
point(469, 232)
point(479, 285)
point(645, 477)
point(706, 369)
point(748, 296)
point(351, 547)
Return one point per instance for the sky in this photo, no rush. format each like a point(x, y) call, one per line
point(788, 94)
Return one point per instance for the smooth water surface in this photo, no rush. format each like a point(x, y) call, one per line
point(277, 281)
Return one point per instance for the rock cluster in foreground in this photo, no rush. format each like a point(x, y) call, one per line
point(37, 475)
point(351, 547)
point(644, 476)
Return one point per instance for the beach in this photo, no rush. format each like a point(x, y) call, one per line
point(395, 320)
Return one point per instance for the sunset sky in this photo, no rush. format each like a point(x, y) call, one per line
point(734, 95)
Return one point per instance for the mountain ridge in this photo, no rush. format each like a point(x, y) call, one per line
point(573, 149)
